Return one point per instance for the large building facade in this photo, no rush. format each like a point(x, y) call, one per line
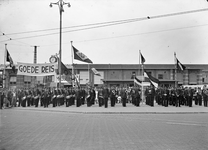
point(115, 75)
point(121, 74)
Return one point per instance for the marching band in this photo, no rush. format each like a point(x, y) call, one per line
point(103, 95)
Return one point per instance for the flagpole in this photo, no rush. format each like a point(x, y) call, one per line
point(175, 70)
point(139, 61)
point(4, 74)
point(142, 77)
point(72, 52)
point(89, 73)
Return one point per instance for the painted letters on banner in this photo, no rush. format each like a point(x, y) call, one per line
point(45, 69)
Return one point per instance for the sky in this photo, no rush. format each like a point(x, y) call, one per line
point(156, 38)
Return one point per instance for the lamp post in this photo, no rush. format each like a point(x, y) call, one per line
point(60, 4)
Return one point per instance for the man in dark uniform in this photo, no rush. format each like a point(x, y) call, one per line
point(157, 97)
point(105, 96)
point(54, 98)
point(1, 99)
point(147, 96)
point(133, 96)
point(100, 97)
point(173, 97)
point(124, 96)
point(32, 97)
point(190, 97)
point(205, 95)
point(46, 97)
point(178, 92)
point(89, 94)
point(186, 94)
point(113, 97)
point(78, 97)
point(24, 97)
point(36, 97)
point(29, 96)
point(165, 97)
point(152, 97)
point(137, 97)
point(43, 98)
point(92, 96)
point(199, 96)
point(195, 97)
point(83, 93)
point(67, 94)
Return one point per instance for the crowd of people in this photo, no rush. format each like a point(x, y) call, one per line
point(102, 96)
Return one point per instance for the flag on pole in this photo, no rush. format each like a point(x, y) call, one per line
point(80, 56)
point(95, 72)
point(77, 80)
point(180, 66)
point(64, 69)
point(152, 80)
point(142, 58)
point(137, 81)
point(9, 59)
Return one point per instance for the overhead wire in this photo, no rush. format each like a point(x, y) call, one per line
point(151, 32)
point(105, 24)
point(78, 26)
point(111, 22)
point(93, 27)
point(15, 39)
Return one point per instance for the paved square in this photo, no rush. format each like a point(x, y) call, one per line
point(47, 130)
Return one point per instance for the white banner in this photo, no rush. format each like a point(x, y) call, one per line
point(45, 69)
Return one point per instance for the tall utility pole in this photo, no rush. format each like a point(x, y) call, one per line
point(35, 62)
point(60, 3)
point(175, 61)
point(35, 54)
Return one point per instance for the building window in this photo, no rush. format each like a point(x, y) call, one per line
point(133, 75)
point(27, 78)
point(1, 78)
point(160, 76)
point(13, 80)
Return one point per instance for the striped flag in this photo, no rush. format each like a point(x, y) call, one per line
point(152, 80)
point(180, 66)
point(77, 80)
point(137, 81)
point(142, 58)
point(10, 60)
point(95, 72)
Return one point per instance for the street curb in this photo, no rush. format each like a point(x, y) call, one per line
point(96, 112)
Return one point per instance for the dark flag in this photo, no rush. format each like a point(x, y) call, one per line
point(64, 69)
point(80, 56)
point(9, 59)
point(153, 80)
point(142, 58)
point(180, 66)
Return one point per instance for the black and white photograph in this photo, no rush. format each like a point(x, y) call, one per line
point(103, 74)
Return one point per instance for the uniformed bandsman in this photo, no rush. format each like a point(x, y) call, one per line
point(199, 96)
point(113, 97)
point(105, 93)
point(124, 96)
point(205, 95)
